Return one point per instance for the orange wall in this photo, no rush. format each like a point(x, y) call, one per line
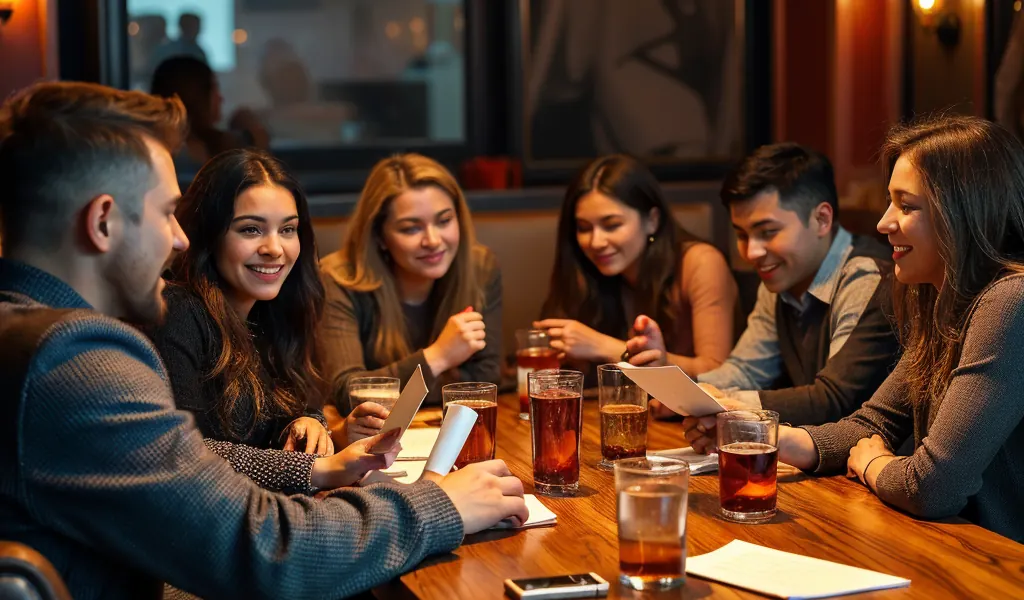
point(27, 45)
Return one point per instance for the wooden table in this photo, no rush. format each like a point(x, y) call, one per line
point(831, 518)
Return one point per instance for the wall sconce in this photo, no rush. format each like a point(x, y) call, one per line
point(945, 24)
point(6, 10)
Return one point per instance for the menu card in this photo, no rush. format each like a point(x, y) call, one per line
point(786, 575)
point(699, 463)
point(673, 388)
point(418, 442)
point(540, 515)
point(405, 409)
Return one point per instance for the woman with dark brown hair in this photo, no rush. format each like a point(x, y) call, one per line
point(240, 341)
point(956, 224)
point(410, 286)
point(624, 266)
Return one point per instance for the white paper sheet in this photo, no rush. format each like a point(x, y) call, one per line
point(673, 388)
point(540, 515)
point(458, 422)
point(786, 575)
point(417, 443)
point(404, 472)
point(405, 409)
point(699, 463)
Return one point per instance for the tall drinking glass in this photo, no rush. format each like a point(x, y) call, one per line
point(748, 463)
point(382, 390)
point(482, 398)
point(651, 498)
point(556, 416)
point(623, 409)
point(533, 353)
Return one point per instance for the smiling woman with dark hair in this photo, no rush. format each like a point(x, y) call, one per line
point(240, 342)
point(623, 264)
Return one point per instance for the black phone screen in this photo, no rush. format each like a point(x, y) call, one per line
point(563, 581)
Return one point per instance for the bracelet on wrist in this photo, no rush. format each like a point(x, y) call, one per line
point(868, 466)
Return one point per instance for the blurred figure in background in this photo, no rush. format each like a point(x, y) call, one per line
point(196, 85)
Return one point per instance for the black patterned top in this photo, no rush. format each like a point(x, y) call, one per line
point(189, 344)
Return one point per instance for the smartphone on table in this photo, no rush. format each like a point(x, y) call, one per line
point(582, 585)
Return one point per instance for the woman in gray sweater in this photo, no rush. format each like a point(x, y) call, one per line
point(956, 223)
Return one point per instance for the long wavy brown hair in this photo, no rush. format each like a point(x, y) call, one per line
point(973, 176)
point(369, 268)
point(579, 290)
point(285, 326)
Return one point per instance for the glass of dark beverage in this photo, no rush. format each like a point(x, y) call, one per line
point(533, 353)
point(482, 398)
point(651, 496)
point(623, 410)
point(556, 416)
point(748, 463)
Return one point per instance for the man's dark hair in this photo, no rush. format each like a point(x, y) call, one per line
point(63, 144)
point(802, 177)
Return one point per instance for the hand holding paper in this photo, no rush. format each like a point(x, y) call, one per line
point(673, 388)
point(404, 411)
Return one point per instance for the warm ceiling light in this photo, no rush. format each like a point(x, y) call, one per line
point(417, 25)
point(133, 28)
point(926, 4)
point(239, 36)
point(392, 30)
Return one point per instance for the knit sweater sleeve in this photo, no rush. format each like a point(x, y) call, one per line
point(978, 413)
point(137, 469)
point(343, 345)
point(274, 470)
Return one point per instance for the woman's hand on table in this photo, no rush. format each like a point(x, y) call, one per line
point(575, 340)
point(864, 454)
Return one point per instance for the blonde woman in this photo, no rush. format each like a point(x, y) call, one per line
point(410, 286)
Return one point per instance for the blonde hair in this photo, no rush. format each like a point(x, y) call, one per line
point(368, 265)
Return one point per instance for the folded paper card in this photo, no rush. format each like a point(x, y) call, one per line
point(699, 463)
point(455, 429)
point(449, 440)
point(786, 575)
point(673, 388)
point(540, 515)
point(405, 409)
point(418, 442)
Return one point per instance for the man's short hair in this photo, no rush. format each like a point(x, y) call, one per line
point(803, 178)
point(63, 144)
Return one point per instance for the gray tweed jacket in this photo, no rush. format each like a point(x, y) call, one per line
point(100, 473)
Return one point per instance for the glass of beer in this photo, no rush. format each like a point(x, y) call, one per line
point(482, 398)
point(533, 354)
point(623, 412)
point(748, 462)
point(556, 415)
point(651, 496)
point(382, 390)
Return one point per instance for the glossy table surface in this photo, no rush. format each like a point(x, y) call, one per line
point(831, 518)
